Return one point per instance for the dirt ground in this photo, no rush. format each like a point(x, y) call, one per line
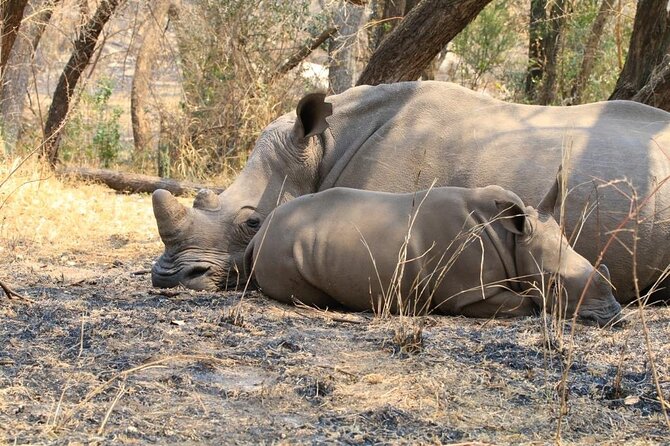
point(101, 357)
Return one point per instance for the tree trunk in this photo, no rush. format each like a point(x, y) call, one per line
point(425, 31)
point(134, 183)
point(596, 33)
point(648, 45)
point(18, 69)
point(657, 91)
point(11, 14)
point(139, 93)
point(552, 46)
point(84, 47)
point(536, 28)
point(342, 59)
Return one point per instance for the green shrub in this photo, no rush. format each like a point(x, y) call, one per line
point(92, 135)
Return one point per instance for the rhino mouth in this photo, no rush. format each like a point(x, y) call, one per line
point(602, 315)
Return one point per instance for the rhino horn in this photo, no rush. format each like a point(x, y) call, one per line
point(170, 214)
point(548, 203)
point(206, 200)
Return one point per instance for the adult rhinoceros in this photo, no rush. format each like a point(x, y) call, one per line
point(401, 137)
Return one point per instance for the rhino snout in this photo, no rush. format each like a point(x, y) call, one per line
point(603, 314)
point(195, 276)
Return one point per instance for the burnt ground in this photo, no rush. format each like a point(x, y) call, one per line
point(102, 357)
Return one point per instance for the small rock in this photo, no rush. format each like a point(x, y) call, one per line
point(631, 400)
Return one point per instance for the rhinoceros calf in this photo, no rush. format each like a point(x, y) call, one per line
point(473, 252)
point(401, 137)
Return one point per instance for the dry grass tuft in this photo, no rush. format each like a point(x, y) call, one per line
point(408, 336)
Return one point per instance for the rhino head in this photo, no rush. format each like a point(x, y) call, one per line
point(204, 245)
point(545, 262)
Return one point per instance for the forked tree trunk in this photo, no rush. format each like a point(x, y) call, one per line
point(84, 47)
point(604, 12)
point(341, 48)
point(140, 91)
point(11, 14)
point(424, 32)
point(552, 45)
point(536, 27)
point(17, 73)
point(649, 43)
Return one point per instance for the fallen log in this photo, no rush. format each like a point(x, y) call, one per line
point(134, 183)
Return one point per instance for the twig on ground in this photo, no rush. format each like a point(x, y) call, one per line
point(166, 293)
point(324, 314)
point(140, 272)
point(11, 294)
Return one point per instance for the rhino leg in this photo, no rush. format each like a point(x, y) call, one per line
point(282, 281)
point(504, 304)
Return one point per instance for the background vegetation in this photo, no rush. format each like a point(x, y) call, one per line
point(183, 88)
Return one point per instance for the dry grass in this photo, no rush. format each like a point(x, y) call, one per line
point(41, 214)
point(101, 356)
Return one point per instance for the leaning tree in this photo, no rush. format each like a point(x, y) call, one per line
point(84, 48)
point(405, 53)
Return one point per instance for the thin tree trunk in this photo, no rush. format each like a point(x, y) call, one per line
point(389, 14)
point(648, 45)
point(596, 33)
point(84, 48)
point(139, 93)
point(11, 14)
point(16, 77)
point(341, 48)
point(425, 31)
point(536, 28)
point(552, 46)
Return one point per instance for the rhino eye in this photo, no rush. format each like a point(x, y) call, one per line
point(253, 222)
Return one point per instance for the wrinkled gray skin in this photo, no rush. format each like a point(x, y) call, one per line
point(474, 252)
point(400, 137)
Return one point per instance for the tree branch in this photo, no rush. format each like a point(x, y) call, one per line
point(313, 43)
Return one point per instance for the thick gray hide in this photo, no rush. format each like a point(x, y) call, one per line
point(401, 137)
point(474, 252)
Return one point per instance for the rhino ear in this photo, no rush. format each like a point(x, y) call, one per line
point(312, 112)
point(511, 216)
point(548, 203)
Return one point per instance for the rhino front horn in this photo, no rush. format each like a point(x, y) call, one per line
point(207, 200)
point(170, 213)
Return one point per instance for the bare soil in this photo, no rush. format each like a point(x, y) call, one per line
point(102, 357)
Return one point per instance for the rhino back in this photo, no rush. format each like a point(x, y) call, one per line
point(444, 133)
